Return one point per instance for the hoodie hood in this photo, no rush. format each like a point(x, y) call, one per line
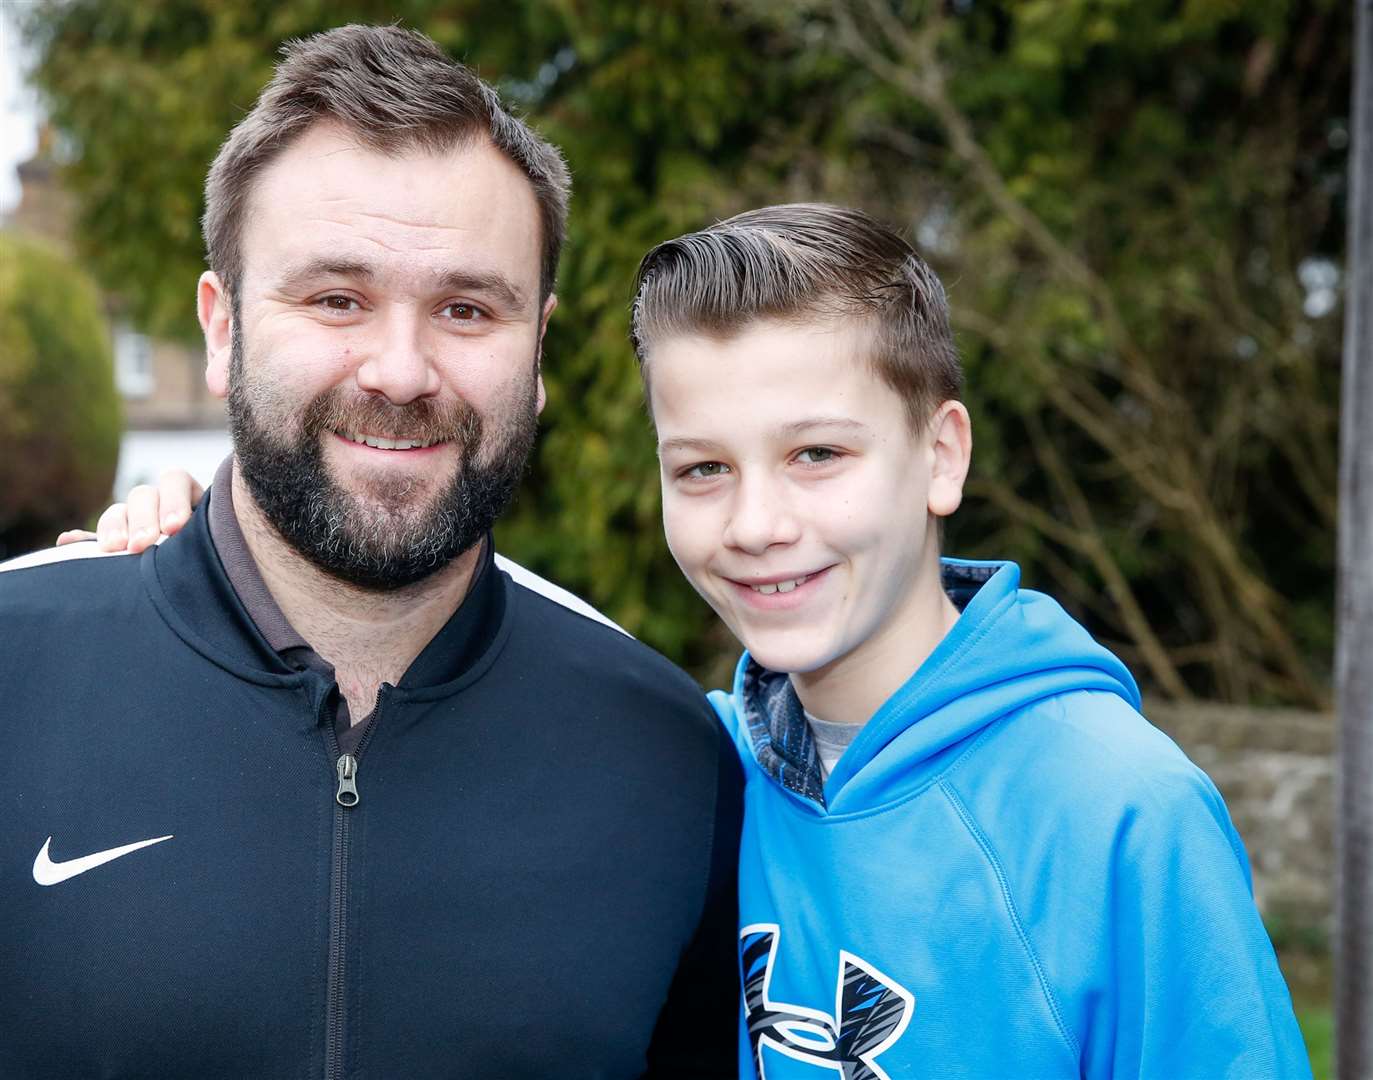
point(1008, 649)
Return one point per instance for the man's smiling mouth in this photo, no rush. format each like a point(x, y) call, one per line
point(386, 444)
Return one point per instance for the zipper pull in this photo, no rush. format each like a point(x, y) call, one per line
point(347, 793)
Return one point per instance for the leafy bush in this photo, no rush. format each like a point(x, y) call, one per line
point(60, 416)
point(1138, 210)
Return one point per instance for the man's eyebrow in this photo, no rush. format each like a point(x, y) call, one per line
point(490, 283)
point(487, 282)
point(299, 275)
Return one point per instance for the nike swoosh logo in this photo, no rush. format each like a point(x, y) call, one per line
point(47, 872)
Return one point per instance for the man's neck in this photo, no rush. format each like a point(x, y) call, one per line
point(368, 637)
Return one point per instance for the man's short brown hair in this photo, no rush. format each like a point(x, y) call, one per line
point(797, 263)
point(395, 90)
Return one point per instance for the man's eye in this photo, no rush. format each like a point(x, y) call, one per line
point(705, 470)
point(338, 303)
point(463, 312)
point(816, 455)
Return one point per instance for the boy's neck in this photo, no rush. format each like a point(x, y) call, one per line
point(851, 689)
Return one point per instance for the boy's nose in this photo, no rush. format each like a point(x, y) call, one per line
point(760, 517)
point(400, 366)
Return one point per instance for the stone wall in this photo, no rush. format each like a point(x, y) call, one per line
point(1275, 768)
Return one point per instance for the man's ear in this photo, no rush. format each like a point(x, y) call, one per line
point(548, 307)
point(951, 450)
point(216, 320)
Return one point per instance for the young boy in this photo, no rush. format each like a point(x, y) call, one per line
point(965, 852)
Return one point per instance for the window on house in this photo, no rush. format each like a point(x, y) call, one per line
point(133, 362)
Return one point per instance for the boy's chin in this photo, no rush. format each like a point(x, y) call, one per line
point(792, 658)
point(796, 652)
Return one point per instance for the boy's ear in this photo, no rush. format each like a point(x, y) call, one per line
point(951, 451)
point(216, 320)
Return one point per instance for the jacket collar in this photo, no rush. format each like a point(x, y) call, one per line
point(187, 581)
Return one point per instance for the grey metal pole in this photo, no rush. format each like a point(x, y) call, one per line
point(1354, 650)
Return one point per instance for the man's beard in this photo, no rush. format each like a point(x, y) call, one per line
point(384, 541)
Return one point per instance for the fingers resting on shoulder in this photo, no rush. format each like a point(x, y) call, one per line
point(147, 513)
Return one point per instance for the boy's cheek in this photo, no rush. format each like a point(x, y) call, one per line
point(688, 534)
point(673, 529)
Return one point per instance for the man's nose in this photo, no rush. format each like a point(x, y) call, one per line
point(400, 365)
point(760, 517)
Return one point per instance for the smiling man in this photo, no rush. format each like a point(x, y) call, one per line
point(390, 404)
point(318, 787)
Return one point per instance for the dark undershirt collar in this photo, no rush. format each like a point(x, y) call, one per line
point(461, 641)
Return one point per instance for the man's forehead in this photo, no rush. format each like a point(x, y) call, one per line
point(331, 141)
point(327, 194)
point(326, 136)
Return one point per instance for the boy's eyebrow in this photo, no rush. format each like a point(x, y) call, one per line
point(490, 282)
point(810, 423)
point(785, 431)
point(700, 445)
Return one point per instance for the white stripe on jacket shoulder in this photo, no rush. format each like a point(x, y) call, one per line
point(82, 549)
point(556, 593)
point(89, 549)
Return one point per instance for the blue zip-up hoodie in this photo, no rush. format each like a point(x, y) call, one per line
point(1009, 873)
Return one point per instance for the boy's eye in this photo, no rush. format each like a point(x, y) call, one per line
point(705, 470)
point(816, 455)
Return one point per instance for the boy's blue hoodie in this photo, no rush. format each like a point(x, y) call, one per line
point(1009, 873)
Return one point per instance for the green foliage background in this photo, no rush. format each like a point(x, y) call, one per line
point(60, 417)
point(1120, 195)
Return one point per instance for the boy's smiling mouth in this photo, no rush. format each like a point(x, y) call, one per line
point(782, 586)
point(775, 586)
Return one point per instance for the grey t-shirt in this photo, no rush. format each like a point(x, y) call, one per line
point(831, 740)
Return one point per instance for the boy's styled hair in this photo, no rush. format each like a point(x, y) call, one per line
point(395, 90)
point(800, 262)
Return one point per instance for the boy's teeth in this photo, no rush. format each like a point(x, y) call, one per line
point(781, 586)
point(385, 444)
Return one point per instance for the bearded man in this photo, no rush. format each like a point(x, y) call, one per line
point(318, 787)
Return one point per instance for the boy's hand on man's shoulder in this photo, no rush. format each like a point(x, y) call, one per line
point(147, 514)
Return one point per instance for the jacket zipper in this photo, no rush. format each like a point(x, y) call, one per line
point(345, 798)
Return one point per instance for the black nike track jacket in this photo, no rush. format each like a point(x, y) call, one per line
point(536, 880)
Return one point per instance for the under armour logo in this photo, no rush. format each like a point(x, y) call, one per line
point(870, 1012)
